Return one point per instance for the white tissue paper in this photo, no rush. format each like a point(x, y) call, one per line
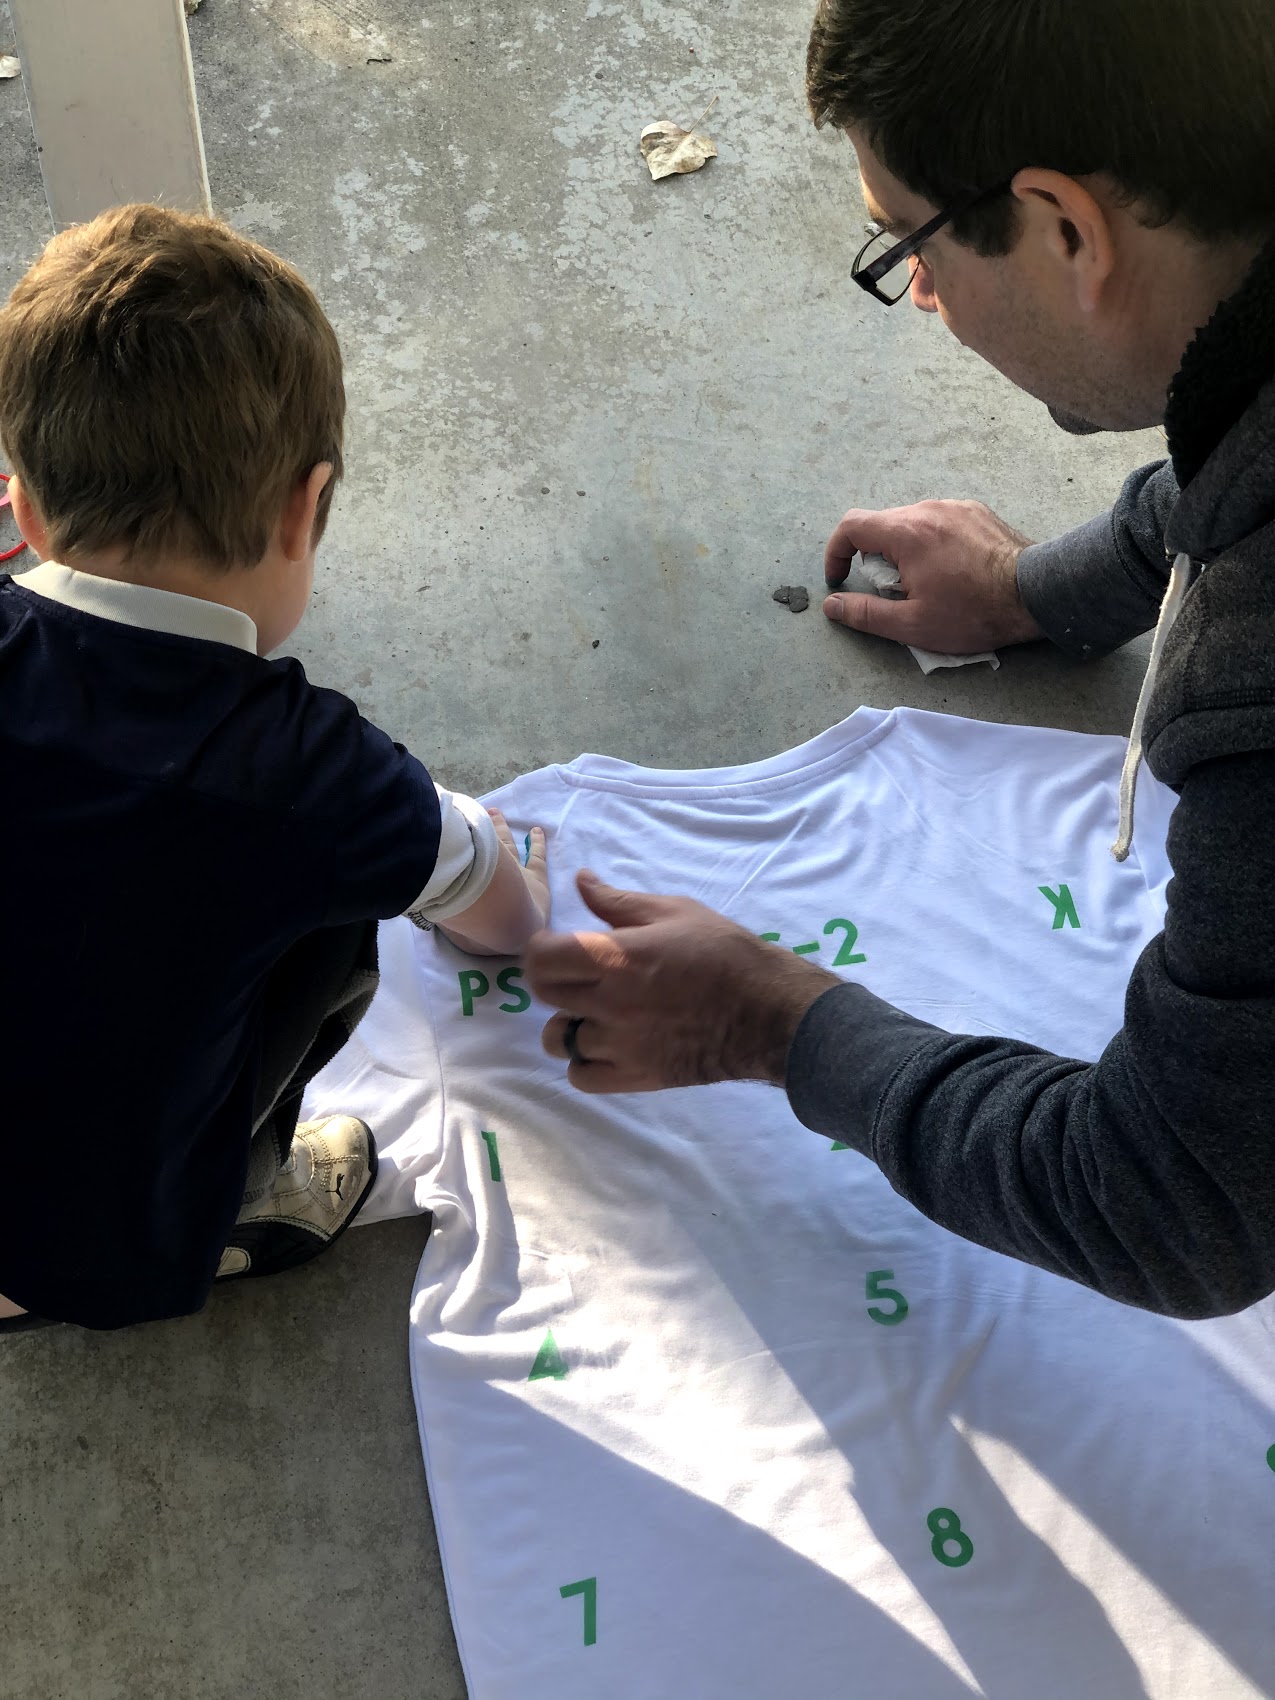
point(879, 577)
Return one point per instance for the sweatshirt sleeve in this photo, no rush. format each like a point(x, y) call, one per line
point(1098, 586)
point(1148, 1175)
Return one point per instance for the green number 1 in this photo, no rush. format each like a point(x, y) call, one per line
point(875, 1290)
point(589, 1588)
point(493, 1155)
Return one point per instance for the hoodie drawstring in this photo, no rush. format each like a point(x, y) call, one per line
point(1179, 584)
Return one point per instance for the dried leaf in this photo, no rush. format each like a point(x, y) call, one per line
point(10, 65)
point(192, 6)
point(669, 150)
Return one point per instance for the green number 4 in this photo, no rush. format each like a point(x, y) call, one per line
point(589, 1588)
point(550, 1363)
point(875, 1290)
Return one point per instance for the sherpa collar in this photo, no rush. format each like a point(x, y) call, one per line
point(1220, 421)
point(1226, 364)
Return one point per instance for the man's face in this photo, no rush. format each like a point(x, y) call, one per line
point(1014, 310)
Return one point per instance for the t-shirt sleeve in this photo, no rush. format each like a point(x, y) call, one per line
point(366, 806)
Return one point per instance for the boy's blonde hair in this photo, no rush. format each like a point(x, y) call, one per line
point(164, 383)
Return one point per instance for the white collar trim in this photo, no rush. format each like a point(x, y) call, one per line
point(141, 605)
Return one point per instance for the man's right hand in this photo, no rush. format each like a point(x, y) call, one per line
point(673, 995)
point(958, 564)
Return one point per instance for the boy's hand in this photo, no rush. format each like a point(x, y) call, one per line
point(535, 868)
point(514, 905)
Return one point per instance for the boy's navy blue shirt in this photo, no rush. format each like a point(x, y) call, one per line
point(179, 812)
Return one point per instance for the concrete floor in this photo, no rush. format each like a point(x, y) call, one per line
point(583, 407)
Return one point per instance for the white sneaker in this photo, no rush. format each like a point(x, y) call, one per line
point(316, 1195)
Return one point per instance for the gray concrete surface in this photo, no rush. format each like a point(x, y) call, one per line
point(583, 407)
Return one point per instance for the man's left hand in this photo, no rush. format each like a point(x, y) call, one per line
point(676, 995)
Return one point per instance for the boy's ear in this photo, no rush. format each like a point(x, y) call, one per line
point(27, 516)
point(296, 524)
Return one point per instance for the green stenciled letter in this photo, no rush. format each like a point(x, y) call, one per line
point(473, 984)
point(1064, 906)
point(505, 980)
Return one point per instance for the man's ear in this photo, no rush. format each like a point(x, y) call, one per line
point(27, 516)
point(1074, 228)
point(296, 524)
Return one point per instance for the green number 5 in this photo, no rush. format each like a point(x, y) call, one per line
point(875, 1290)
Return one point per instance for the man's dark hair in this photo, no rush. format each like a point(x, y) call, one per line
point(1174, 100)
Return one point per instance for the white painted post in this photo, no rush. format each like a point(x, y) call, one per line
point(112, 97)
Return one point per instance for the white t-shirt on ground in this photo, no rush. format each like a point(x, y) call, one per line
point(708, 1411)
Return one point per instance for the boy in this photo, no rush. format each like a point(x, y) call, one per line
point(201, 842)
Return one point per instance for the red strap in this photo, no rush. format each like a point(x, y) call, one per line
point(8, 554)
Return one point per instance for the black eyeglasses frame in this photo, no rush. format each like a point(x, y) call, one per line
point(869, 277)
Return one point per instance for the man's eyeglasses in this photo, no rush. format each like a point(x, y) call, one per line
point(885, 267)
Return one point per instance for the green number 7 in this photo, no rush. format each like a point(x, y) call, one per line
point(589, 1589)
point(875, 1290)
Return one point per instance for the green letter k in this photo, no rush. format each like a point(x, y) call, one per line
point(1064, 905)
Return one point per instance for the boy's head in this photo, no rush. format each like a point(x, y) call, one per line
point(166, 387)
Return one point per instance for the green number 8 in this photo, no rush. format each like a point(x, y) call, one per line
point(946, 1528)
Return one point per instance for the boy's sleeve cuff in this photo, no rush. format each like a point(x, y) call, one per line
point(468, 854)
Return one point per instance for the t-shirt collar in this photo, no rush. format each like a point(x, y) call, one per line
point(141, 605)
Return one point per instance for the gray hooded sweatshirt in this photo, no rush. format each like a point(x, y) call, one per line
point(1148, 1175)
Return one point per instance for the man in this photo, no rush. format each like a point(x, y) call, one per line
point(1083, 190)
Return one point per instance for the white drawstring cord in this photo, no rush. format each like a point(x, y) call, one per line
point(1179, 583)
